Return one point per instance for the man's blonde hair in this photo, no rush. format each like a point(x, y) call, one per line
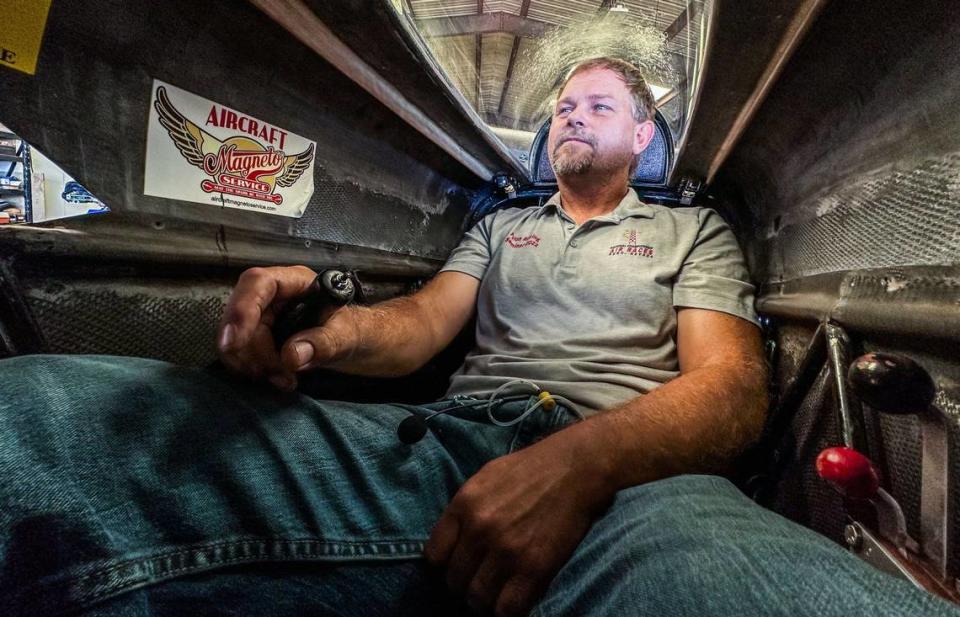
point(644, 106)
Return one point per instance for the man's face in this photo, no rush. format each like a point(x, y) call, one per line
point(593, 128)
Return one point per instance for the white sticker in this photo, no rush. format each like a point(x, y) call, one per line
point(203, 152)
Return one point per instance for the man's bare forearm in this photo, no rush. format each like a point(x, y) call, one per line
point(388, 339)
point(696, 423)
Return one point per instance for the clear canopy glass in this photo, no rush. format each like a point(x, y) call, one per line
point(507, 58)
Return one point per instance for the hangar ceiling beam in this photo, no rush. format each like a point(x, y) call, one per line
point(486, 23)
point(524, 9)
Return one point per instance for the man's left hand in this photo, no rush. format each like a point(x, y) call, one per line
point(513, 525)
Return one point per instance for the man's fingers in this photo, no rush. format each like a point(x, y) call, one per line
point(250, 302)
point(442, 540)
point(466, 557)
point(265, 355)
point(518, 597)
point(309, 349)
point(484, 589)
point(259, 359)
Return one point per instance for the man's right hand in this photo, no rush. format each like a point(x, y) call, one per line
point(395, 339)
point(245, 340)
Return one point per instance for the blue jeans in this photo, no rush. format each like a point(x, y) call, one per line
point(134, 487)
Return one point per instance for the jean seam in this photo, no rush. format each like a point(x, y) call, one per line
point(121, 564)
point(173, 572)
point(84, 593)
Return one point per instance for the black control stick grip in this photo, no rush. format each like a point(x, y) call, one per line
point(331, 289)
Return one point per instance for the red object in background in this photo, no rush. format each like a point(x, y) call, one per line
point(849, 471)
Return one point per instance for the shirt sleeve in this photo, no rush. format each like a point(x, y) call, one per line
point(713, 275)
point(472, 255)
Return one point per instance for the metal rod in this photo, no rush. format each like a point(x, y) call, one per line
point(300, 21)
point(794, 34)
point(848, 407)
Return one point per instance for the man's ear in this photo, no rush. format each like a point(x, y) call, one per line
point(643, 135)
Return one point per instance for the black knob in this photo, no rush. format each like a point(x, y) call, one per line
point(891, 383)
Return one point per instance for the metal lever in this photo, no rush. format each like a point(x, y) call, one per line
point(891, 383)
point(856, 477)
point(850, 471)
point(851, 415)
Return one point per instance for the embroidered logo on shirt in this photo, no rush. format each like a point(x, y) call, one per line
point(630, 246)
point(521, 241)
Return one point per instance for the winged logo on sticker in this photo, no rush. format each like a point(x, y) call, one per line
point(238, 165)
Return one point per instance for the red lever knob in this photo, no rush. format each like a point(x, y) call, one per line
point(850, 472)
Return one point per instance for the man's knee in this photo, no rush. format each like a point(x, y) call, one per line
point(678, 514)
point(697, 515)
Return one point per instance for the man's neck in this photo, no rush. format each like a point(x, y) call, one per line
point(584, 198)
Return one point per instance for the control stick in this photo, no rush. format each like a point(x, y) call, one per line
point(330, 290)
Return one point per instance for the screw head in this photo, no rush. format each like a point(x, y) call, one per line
point(853, 537)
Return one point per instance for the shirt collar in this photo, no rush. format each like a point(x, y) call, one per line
point(629, 206)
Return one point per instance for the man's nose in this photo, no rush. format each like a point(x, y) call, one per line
point(576, 118)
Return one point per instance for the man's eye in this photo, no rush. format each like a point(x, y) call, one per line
point(602, 107)
point(563, 110)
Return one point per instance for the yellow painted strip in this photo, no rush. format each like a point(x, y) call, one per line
point(21, 33)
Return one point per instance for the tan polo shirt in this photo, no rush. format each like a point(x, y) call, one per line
point(589, 312)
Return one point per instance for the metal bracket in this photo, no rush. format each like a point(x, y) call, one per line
point(886, 558)
point(869, 548)
point(935, 502)
point(505, 184)
point(689, 189)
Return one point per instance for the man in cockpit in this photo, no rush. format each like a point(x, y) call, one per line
point(568, 471)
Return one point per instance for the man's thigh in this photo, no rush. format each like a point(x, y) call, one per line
point(119, 473)
point(694, 546)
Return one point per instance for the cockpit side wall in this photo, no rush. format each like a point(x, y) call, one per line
point(379, 184)
point(853, 160)
point(844, 193)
